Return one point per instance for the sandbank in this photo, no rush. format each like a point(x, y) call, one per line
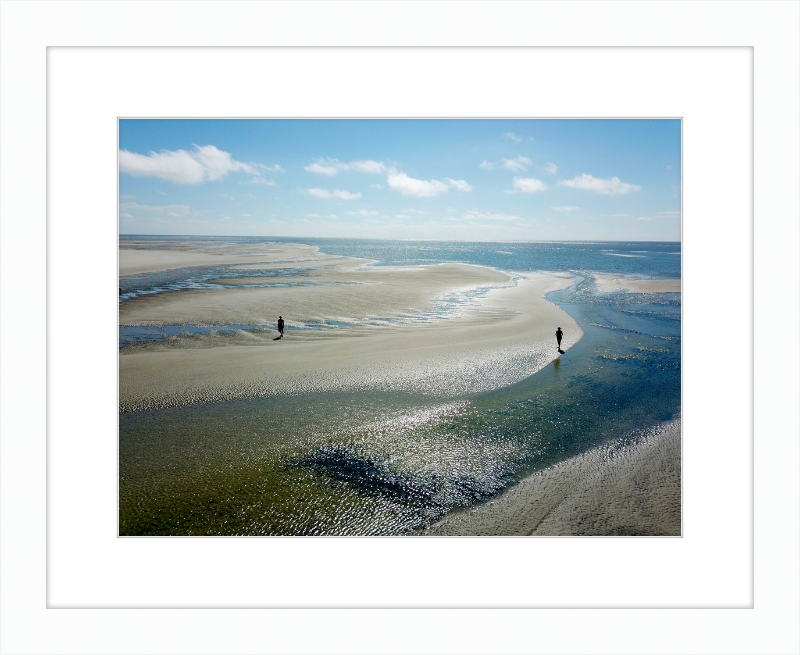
point(394, 337)
point(627, 487)
point(141, 257)
point(609, 283)
point(335, 292)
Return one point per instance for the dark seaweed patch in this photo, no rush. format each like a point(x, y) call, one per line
point(428, 495)
point(370, 475)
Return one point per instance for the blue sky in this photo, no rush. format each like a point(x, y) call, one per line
point(482, 179)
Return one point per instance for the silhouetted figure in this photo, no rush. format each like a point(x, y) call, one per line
point(280, 324)
point(559, 334)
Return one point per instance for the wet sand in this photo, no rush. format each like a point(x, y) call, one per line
point(492, 341)
point(141, 257)
point(337, 292)
point(610, 283)
point(622, 488)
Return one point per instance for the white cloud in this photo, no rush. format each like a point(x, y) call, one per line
point(607, 187)
point(262, 180)
point(321, 169)
point(402, 216)
point(376, 186)
point(488, 165)
point(336, 193)
point(474, 214)
point(410, 186)
point(277, 168)
point(461, 185)
point(203, 164)
point(528, 185)
point(330, 167)
point(566, 209)
point(247, 215)
point(517, 164)
point(550, 167)
point(367, 166)
point(168, 210)
point(363, 212)
point(514, 137)
point(346, 195)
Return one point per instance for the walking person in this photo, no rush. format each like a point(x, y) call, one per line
point(280, 326)
point(559, 334)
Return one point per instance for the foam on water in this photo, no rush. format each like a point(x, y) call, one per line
point(620, 254)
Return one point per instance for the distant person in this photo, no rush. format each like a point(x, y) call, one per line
point(280, 325)
point(559, 334)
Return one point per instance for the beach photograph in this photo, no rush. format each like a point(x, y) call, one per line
point(399, 327)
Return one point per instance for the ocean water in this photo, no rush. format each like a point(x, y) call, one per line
point(390, 462)
point(644, 259)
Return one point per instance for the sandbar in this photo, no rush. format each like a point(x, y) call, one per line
point(394, 336)
point(627, 487)
point(141, 257)
point(610, 283)
point(328, 293)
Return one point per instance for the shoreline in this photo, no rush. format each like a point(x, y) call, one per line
point(502, 335)
point(624, 488)
point(505, 339)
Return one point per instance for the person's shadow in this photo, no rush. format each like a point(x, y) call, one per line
point(280, 336)
point(561, 352)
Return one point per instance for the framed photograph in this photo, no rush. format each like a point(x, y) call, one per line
point(122, 121)
point(360, 468)
point(423, 383)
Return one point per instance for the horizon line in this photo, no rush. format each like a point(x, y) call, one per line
point(260, 236)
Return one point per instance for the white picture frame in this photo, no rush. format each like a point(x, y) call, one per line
point(58, 607)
